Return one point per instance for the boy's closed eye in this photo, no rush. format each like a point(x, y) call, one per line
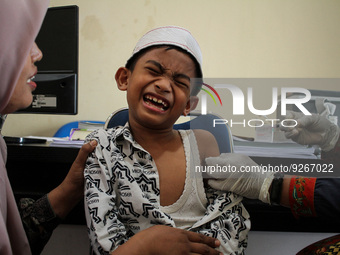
point(154, 67)
point(182, 80)
point(154, 71)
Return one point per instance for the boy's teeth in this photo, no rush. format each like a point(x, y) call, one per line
point(159, 101)
point(155, 106)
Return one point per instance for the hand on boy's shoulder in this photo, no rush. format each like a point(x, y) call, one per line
point(207, 144)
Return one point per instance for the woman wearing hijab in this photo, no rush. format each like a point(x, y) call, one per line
point(20, 22)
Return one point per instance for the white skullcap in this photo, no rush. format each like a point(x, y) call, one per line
point(171, 35)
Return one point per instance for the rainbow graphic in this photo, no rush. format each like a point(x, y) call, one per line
point(210, 94)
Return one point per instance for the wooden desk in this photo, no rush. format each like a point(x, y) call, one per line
point(36, 169)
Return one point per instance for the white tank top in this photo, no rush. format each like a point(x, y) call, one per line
point(191, 206)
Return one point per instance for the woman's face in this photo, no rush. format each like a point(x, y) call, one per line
point(22, 94)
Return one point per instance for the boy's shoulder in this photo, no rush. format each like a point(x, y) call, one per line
point(203, 135)
point(207, 144)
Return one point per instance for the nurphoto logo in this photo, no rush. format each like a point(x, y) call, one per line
point(283, 100)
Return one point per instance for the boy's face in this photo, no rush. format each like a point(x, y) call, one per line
point(158, 89)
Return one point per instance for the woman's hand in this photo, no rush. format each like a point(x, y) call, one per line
point(64, 197)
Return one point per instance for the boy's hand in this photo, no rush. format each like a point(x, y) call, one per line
point(312, 130)
point(172, 241)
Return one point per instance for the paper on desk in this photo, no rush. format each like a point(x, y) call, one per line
point(278, 150)
point(48, 139)
point(79, 134)
point(61, 142)
point(67, 143)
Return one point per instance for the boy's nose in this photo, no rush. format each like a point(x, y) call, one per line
point(163, 85)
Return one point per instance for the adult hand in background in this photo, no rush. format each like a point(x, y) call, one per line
point(312, 130)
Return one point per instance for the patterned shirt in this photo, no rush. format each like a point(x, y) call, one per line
point(122, 197)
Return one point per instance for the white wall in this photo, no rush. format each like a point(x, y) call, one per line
point(239, 39)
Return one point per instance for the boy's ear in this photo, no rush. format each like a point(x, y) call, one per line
point(122, 78)
point(191, 105)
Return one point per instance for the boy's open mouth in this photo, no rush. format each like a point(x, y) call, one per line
point(156, 102)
